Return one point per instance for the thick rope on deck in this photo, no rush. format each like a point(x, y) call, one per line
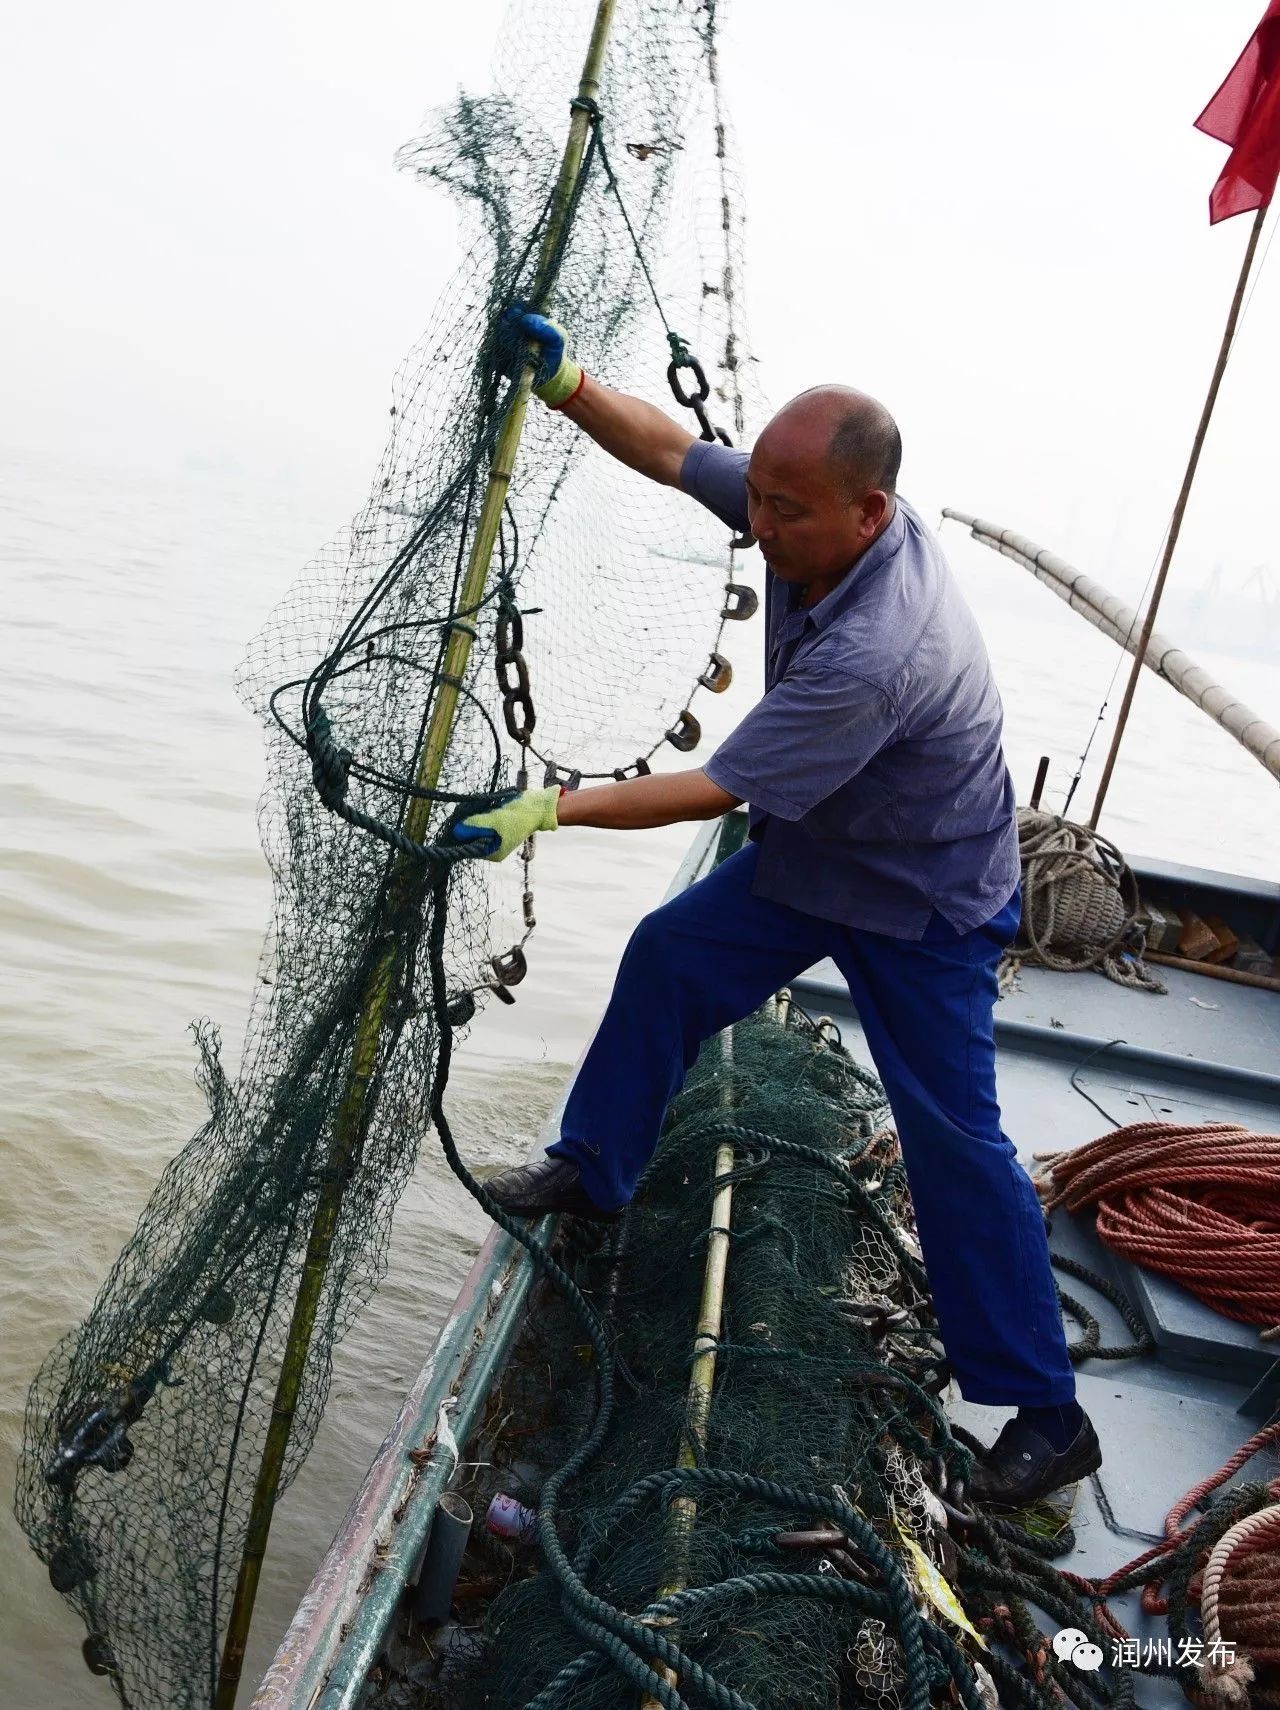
point(1240, 1606)
point(1080, 903)
point(1175, 1572)
point(1199, 1204)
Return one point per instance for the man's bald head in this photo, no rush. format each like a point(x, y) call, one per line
point(863, 445)
point(821, 483)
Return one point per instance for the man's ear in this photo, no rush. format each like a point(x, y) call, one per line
point(875, 507)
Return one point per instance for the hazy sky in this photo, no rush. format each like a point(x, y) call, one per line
point(992, 214)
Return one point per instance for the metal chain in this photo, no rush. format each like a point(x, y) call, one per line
point(681, 355)
point(695, 400)
point(520, 716)
point(513, 674)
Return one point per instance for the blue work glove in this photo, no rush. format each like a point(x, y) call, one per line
point(500, 830)
point(558, 378)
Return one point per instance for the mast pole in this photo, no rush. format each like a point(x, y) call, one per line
point(353, 1112)
point(1179, 510)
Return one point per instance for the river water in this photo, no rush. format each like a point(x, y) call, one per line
point(133, 898)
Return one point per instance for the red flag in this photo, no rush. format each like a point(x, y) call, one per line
point(1246, 113)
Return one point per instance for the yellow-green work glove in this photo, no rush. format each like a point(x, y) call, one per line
point(558, 378)
point(504, 828)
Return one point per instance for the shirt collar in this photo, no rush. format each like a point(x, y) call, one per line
point(882, 548)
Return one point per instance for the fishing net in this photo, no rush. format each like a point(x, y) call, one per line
point(147, 1426)
point(804, 1539)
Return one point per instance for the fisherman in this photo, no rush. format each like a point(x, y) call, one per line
point(882, 834)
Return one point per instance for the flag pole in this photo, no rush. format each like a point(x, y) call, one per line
point(1179, 510)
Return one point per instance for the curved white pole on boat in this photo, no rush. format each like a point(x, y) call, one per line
point(1123, 624)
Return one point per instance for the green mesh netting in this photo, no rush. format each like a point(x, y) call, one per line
point(825, 1446)
point(146, 1428)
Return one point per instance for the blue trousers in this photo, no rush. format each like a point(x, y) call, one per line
point(709, 958)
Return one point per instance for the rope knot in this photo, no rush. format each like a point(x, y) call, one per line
point(1227, 1683)
point(681, 355)
point(506, 599)
point(330, 764)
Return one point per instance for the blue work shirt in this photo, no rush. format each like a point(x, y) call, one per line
point(873, 765)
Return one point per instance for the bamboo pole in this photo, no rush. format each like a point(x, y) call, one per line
point(683, 1512)
point(1121, 623)
point(1179, 511)
point(1215, 971)
point(353, 1111)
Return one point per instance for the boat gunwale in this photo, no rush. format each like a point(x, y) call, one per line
point(390, 1493)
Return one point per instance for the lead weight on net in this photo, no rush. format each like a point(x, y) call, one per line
point(98, 1655)
point(686, 733)
point(218, 1306)
point(69, 1566)
point(718, 674)
point(553, 775)
point(740, 602)
point(461, 1009)
point(639, 768)
point(510, 968)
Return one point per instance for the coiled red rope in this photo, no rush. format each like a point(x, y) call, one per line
point(1200, 1205)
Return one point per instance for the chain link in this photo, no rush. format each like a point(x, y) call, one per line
point(696, 398)
point(518, 712)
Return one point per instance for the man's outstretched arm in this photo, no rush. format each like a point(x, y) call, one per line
point(635, 804)
point(638, 434)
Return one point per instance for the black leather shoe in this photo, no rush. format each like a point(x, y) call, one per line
point(1020, 1466)
point(549, 1184)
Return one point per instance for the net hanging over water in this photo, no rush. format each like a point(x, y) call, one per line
point(390, 693)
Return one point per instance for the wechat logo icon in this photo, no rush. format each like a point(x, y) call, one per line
point(1073, 1646)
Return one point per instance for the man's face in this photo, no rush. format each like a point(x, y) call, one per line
point(807, 528)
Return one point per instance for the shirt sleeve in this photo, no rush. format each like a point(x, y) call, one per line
point(812, 733)
point(716, 476)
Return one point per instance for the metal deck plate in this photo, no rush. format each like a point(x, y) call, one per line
point(1058, 1091)
point(1206, 1020)
point(1192, 1337)
point(1194, 1435)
